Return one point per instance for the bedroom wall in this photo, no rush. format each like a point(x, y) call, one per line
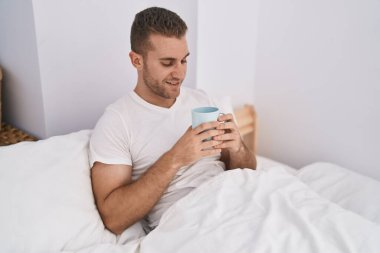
point(317, 88)
point(22, 94)
point(79, 59)
point(227, 37)
point(83, 50)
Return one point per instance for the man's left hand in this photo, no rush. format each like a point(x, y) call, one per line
point(231, 138)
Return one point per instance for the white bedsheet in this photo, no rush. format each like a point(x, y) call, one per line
point(256, 211)
point(260, 211)
point(350, 190)
point(47, 206)
point(265, 162)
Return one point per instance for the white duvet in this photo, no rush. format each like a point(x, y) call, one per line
point(256, 211)
point(47, 205)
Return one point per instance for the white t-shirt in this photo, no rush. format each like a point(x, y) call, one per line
point(136, 133)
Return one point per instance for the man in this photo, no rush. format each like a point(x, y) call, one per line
point(143, 152)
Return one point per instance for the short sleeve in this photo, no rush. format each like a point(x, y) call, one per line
point(109, 142)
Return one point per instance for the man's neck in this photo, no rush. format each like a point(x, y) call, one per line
point(153, 99)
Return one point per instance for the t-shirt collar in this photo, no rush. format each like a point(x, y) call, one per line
point(141, 101)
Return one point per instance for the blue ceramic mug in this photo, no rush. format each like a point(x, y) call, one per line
point(204, 114)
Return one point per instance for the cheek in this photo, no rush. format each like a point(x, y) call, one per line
point(163, 74)
point(158, 72)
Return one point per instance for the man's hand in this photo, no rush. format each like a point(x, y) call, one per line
point(235, 153)
point(122, 201)
point(193, 145)
point(231, 139)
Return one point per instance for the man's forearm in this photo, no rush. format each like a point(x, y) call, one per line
point(130, 203)
point(243, 158)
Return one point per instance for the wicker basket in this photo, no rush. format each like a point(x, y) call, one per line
point(11, 135)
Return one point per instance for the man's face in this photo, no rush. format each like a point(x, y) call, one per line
point(165, 66)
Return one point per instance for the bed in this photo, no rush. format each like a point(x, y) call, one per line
point(47, 206)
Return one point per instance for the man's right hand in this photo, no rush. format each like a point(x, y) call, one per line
point(193, 145)
point(122, 201)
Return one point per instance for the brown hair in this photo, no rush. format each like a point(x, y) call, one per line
point(154, 20)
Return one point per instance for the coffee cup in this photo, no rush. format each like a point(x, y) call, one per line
point(204, 114)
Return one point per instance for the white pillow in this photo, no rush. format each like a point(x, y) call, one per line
point(350, 190)
point(46, 197)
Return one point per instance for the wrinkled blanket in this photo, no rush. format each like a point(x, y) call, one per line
point(260, 211)
point(241, 211)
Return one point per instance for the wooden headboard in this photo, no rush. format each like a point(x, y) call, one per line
point(247, 123)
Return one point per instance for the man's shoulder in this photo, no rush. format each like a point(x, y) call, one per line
point(193, 93)
point(124, 107)
point(116, 111)
point(120, 104)
point(115, 116)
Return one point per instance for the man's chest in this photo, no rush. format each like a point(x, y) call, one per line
point(153, 137)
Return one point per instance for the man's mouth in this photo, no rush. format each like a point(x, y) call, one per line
point(173, 83)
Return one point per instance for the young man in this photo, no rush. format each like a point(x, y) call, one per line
point(143, 152)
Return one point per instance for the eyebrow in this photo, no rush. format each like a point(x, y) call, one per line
point(171, 58)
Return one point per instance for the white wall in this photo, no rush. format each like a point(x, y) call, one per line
point(311, 68)
point(318, 82)
point(80, 61)
point(227, 37)
point(83, 50)
point(22, 94)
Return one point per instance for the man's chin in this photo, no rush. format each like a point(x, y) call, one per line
point(174, 92)
point(172, 95)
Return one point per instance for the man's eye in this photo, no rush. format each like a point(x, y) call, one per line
point(184, 61)
point(166, 64)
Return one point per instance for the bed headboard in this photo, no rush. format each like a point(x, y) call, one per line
point(247, 123)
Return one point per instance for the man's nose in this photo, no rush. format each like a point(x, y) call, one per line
point(179, 71)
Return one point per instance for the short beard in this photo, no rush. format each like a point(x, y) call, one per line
point(156, 87)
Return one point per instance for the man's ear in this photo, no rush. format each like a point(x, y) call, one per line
point(136, 60)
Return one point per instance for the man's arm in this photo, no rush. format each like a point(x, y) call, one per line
point(121, 202)
point(235, 154)
point(242, 158)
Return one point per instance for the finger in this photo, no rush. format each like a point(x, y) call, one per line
point(210, 134)
point(227, 126)
point(226, 137)
point(210, 152)
point(210, 144)
point(225, 144)
point(226, 117)
point(206, 126)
